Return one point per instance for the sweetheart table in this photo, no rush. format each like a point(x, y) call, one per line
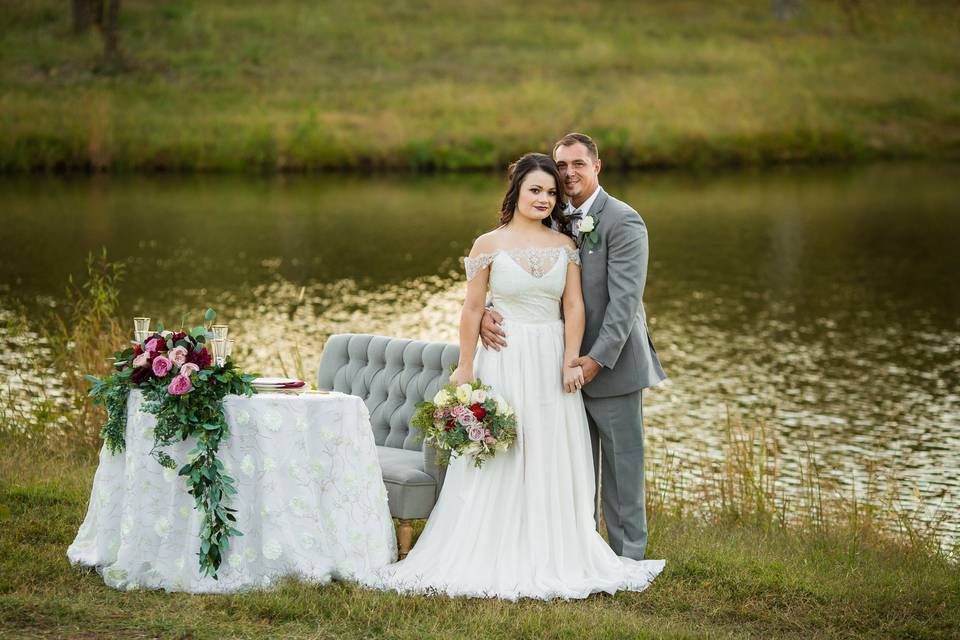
point(311, 501)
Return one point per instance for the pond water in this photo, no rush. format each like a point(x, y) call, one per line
point(824, 301)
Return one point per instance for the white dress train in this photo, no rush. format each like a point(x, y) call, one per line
point(522, 526)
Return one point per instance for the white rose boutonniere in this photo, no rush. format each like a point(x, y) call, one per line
point(587, 228)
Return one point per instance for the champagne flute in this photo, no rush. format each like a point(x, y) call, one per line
point(219, 331)
point(219, 346)
point(141, 328)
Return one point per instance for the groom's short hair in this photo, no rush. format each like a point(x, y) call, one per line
point(574, 138)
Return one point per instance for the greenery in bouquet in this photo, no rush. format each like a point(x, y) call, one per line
point(467, 419)
point(184, 389)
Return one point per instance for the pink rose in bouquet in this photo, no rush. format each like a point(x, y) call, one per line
point(161, 366)
point(188, 369)
point(178, 355)
point(475, 433)
point(142, 360)
point(154, 345)
point(180, 385)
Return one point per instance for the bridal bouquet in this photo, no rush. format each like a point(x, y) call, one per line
point(467, 419)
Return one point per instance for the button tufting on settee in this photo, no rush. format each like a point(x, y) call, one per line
point(392, 375)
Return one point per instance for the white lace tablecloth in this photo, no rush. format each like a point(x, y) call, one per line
point(311, 500)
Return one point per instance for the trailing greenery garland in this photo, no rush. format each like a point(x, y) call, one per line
point(187, 400)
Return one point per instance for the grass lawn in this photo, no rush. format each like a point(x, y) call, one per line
point(436, 84)
point(721, 581)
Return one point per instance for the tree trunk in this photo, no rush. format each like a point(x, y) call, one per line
point(108, 24)
point(83, 15)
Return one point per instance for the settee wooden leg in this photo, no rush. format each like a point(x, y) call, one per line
point(404, 537)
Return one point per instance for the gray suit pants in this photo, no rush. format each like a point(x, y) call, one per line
point(616, 424)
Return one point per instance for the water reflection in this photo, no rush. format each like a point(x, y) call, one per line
point(823, 301)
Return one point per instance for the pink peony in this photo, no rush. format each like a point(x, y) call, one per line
point(141, 360)
point(475, 433)
point(161, 366)
point(180, 385)
point(178, 355)
point(154, 344)
point(188, 369)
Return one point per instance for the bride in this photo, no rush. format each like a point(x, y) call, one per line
point(522, 526)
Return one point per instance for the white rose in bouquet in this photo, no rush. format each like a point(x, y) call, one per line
point(479, 395)
point(443, 397)
point(464, 393)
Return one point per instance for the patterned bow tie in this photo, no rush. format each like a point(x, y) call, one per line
point(576, 214)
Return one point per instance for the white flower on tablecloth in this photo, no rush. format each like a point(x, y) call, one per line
point(249, 554)
point(179, 563)
point(272, 550)
point(243, 417)
point(146, 486)
point(162, 527)
point(116, 574)
point(131, 472)
point(317, 468)
point(269, 464)
point(298, 506)
point(307, 540)
point(126, 525)
point(149, 433)
point(235, 560)
point(272, 420)
point(185, 511)
point(297, 471)
point(325, 433)
point(301, 424)
point(114, 547)
point(247, 466)
point(329, 523)
point(169, 474)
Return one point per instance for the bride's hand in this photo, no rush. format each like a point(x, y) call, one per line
point(572, 379)
point(461, 375)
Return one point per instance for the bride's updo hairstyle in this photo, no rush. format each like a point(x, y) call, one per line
point(516, 172)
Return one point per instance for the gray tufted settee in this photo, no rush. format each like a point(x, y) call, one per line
point(392, 375)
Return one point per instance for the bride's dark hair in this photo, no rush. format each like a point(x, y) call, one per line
point(516, 172)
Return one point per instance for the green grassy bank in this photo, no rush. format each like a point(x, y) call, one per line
point(434, 84)
point(722, 580)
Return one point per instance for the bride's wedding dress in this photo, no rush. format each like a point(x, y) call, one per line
point(522, 525)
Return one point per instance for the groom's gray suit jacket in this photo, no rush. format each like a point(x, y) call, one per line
point(614, 273)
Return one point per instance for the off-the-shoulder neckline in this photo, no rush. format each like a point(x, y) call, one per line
point(558, 247)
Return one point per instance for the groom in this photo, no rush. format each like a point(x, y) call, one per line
point(618, 359)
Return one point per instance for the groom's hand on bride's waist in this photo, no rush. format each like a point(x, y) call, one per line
point(590, 367)
point(491, 333)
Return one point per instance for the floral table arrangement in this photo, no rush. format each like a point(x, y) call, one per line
point(467, 419)
point(184, 386)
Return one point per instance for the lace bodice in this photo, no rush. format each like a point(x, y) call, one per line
point(527, 283)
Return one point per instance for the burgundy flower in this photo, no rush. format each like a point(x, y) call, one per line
point(201, 359)
point(179, 335)
point(137, 349)
point(140, 375)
